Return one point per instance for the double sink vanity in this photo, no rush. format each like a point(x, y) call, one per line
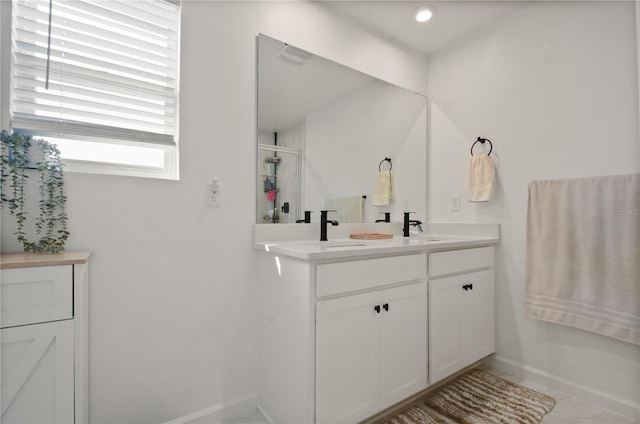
point(350, 327)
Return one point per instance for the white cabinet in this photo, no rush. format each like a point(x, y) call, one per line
point(348, 358)
point(340, 341)
point(461, 310)
point(43, 350)
point(344, 338)
point(37, 371)
point(371, 352)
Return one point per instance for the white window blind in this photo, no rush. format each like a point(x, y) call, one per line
point(97, 71)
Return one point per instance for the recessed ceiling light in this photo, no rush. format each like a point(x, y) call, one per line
point(423, 13)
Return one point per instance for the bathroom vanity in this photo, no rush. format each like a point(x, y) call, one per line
point(44, 333)
point(352, 327)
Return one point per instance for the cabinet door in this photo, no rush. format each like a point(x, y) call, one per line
point(445, 327)
point(403, 343)
point(461, 322)
point(478, 316)
point(37, 373)
point(347, 346)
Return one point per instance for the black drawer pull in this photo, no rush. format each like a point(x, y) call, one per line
point(386, 307)
point(466, 287)
point(377, 308)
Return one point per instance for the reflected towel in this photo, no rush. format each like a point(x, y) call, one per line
point(383, 190)
point(348, 209)
point(482, 181)
point(583, 238)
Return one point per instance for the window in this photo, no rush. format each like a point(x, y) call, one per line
point(100, 78)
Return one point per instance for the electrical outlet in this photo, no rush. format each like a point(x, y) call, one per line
point(214, 189)
point(454, 203)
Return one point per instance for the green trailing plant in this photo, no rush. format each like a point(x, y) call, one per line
point(51, 224)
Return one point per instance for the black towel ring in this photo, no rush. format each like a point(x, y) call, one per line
point(385, 160)
point(482, 140)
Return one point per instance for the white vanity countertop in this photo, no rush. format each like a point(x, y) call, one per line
point(350, 248)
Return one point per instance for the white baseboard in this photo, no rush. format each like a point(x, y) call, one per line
point(221, 412)
point(604, 400)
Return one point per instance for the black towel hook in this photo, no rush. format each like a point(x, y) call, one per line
point(482, 140)
point(385, 160)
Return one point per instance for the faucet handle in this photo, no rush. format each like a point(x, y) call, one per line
point(387, 217)
point(307, 218)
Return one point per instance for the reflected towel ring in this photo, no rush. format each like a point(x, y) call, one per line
point(385, 160)
point(482, 140)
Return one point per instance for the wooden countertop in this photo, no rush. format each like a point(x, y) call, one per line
point(24, 260)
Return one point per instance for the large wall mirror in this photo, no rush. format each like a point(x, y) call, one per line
point(324, 132)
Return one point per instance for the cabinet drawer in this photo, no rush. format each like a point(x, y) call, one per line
point(453, 261)
point(33, 295)
point(345, 277)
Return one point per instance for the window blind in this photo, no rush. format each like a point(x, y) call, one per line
point(113, 68)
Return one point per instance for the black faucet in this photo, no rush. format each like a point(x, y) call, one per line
point(307, 218)
point(407, 222)
point(387, 217)
point(323, 225)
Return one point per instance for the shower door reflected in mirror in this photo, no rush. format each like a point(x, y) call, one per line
point(278, 184)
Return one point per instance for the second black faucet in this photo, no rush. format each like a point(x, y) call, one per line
point(323, 224)
point(408, 222)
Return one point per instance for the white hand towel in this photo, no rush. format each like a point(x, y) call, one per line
point(383, 190)
point(482, 183)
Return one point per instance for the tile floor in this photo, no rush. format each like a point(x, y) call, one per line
point(568, 410)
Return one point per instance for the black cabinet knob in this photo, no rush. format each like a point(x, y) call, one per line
point(386, 306)
point(377, 308)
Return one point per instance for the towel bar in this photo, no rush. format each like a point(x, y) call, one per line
point(482, 141)
point(385, 160)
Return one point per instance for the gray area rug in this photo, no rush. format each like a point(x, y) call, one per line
point(481, 398)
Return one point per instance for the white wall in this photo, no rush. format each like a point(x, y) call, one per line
point(554, 86)
point(352, 136)
point(173, 297)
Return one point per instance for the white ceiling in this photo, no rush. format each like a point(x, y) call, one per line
point(453, 19)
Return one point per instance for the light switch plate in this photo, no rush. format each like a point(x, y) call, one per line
point(214, 189)
point(454, 203)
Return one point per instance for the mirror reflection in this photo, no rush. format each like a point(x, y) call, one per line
point(324, 132)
